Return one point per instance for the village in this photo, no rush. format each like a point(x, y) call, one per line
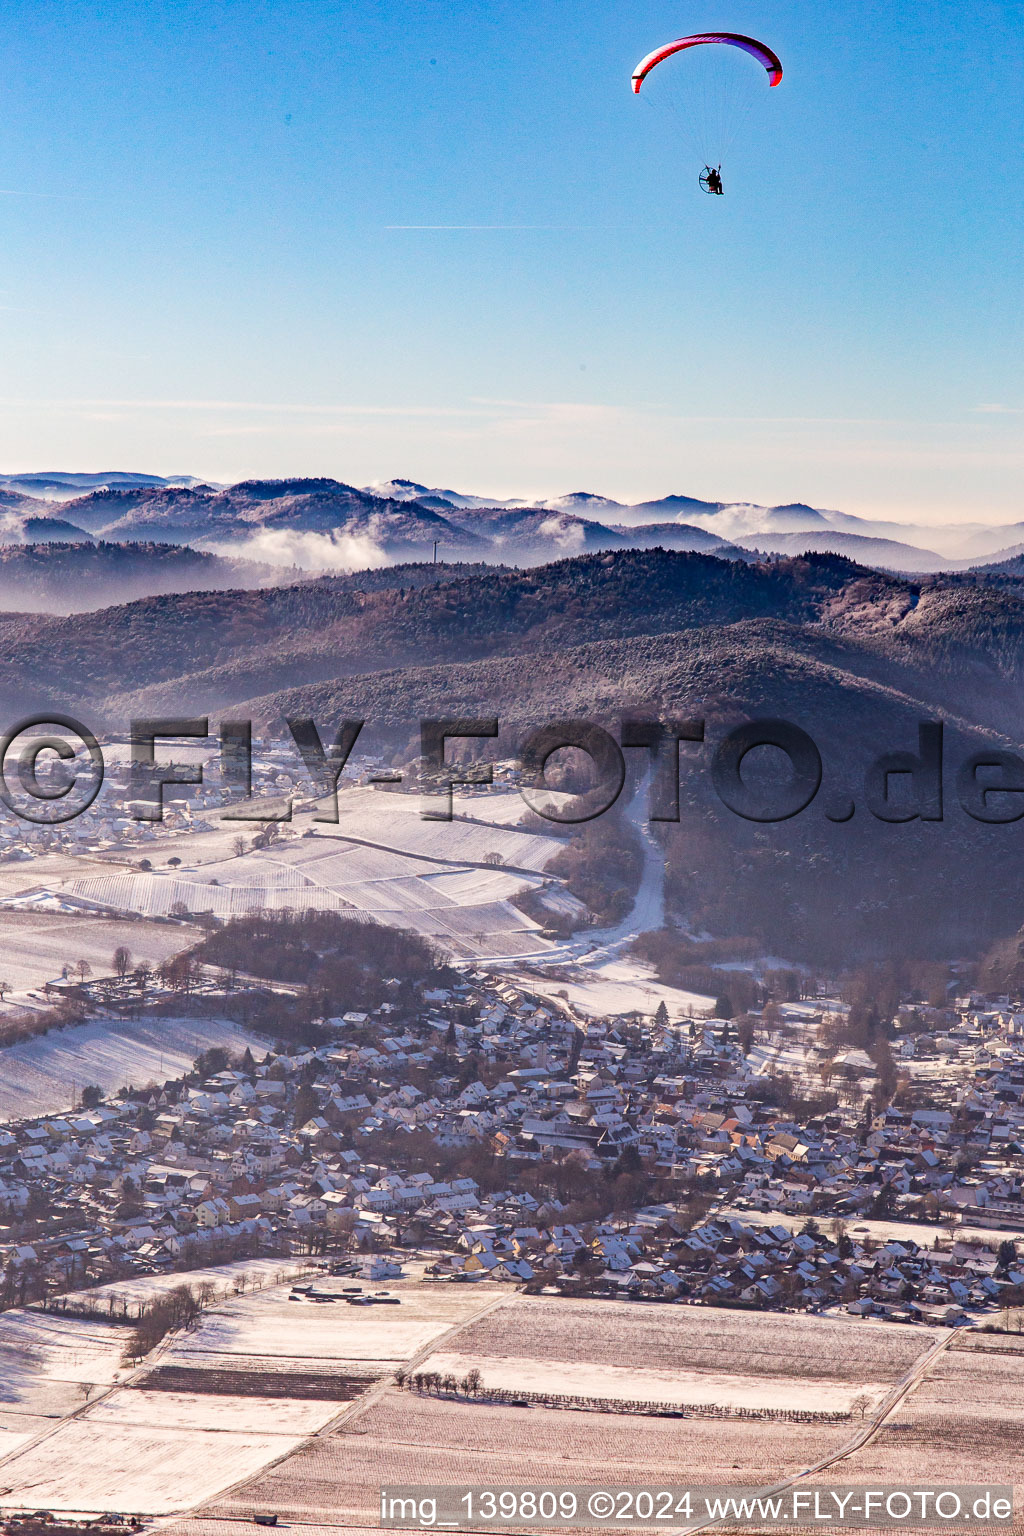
point(497, 1134)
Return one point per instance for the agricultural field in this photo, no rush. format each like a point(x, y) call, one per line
point(450, 881)
point(37, 942)
point(92, 1464)
point(43, 1075)
point(732, 1358)
point(237, 1415)
point(226, 1280)
point(208, 1410)
point(580, 1378)
point(764, 1346)
point(964, 1422)
point(212, 1406)
point(281, 1334)
point(47, 1364)
point(405, 1438)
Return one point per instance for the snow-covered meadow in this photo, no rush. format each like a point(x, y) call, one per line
point(43, 1075)
point(621, 1383)
point(287, 1335)
point(405, 1438)
point(49, 1366)
point(92, 1464)
point(451, 881)
point(36, 943)
point(767, 1349)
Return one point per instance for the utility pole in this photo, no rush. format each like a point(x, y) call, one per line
point(435, 552)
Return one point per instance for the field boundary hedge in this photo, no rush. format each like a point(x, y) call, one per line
point(639, 1406)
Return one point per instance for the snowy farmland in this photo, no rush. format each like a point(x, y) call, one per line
point(964, 1422)
point(286, 1334)
point(93, 1464)
point(450, 881)
point(580, 1378)
point(405, 1438)
point(79, 1432)
point(46, 1363)
point(36, 944)
point(226, 1280)
point(680, 1354)
point(43, 1075)
point(769, 1349)
point(136, 1441)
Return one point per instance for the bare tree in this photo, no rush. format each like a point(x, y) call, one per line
point(142, 976)
point(122, 961)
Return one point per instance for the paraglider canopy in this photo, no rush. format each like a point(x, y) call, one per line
point(760, 51)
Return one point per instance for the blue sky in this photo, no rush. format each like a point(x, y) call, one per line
point(204, 265)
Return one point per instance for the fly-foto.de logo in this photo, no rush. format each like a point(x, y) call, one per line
point(52, 769)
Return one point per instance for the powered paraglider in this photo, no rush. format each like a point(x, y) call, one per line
point(707, 92)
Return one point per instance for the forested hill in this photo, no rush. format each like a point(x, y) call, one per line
point(855, 657)
point(418, 614)
point(204, 650)
point(71, 577)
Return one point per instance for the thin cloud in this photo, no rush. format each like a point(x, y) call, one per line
point(998, 410)
point(253, 405)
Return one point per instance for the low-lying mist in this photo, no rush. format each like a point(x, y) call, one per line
point(304, 551)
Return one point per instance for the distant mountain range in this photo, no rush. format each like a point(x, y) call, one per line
point(665, 606)
point(325, 524)
point(742, 523)
point(62, 485)
point(321, 523)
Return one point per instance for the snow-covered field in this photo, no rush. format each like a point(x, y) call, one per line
point(580, 1378)
point(127, 1447)
point(963, 1423)
point(135, 1448)
point(38, 1345)
point(771, 1348)
point(699, 1355)
point(46, 1363)
point(206, 1410)
point(622, 986)
point(249, 1274)
point(36, 944)
point(91, 1463)
point(290, 1335)
point(406, 1438)
point(17, 1432)
point(451, 881)
point(42, 1076)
